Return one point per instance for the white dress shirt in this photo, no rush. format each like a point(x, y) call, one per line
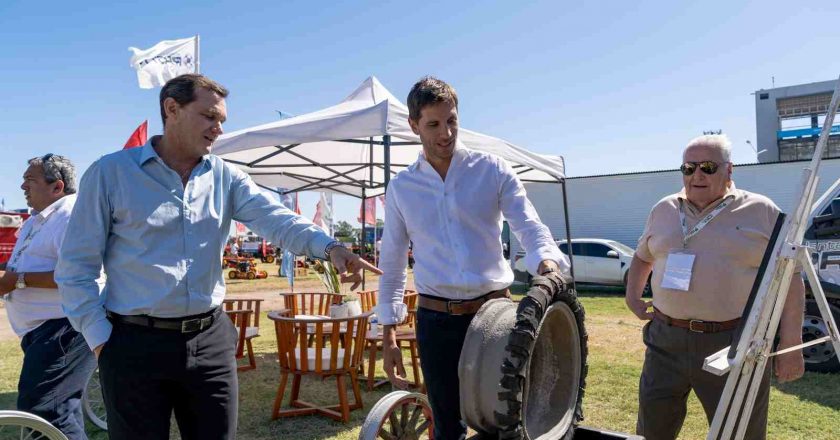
point(455, 230)
point(36, 250)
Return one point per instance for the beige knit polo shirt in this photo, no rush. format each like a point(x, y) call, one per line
point(728, 252)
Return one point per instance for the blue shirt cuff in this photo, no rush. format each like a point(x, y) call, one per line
point(97, 333)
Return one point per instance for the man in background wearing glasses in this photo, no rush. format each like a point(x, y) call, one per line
point(704, 246)
point(56, 360)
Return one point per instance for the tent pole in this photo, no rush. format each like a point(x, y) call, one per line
point(362, 252)
point(568, 232)
point(386, 142)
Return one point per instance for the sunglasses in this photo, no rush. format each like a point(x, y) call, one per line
point(707, 167)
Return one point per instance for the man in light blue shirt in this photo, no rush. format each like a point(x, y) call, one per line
point(157, 218)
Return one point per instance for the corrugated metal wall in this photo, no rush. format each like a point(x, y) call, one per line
point(616, 207)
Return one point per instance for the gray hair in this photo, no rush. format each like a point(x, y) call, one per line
point(718, 142)
point(57, 168)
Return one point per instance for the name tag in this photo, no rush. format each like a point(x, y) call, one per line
point(678, 269)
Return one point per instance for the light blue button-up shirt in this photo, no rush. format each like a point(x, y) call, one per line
point(161, 242)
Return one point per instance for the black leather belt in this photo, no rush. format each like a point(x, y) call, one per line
point(187, 324)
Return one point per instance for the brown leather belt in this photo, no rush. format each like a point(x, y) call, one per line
point(460, 307)
point(697, 325)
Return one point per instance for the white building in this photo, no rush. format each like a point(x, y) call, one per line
point(616, 206)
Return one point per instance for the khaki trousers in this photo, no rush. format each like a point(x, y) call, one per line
point(673, 367)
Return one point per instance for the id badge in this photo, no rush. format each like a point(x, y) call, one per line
point(678, 268)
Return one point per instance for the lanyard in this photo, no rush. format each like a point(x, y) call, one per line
point(702, 223)
point(12, 265)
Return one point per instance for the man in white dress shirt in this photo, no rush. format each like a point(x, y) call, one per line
point(450, 204)
point(56, 359)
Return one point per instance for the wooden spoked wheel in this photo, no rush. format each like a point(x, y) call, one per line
point(93, 403)
point(400, 415)
point(21, 425)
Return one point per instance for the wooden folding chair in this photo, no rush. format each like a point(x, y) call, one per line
point(248, 325)
point(337, 351)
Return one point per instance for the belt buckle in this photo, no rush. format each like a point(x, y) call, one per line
point(188, 325)
point(449, 306)
point(698, 321)
point(196, 325)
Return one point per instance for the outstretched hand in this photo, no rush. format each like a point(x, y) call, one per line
point(350, 266)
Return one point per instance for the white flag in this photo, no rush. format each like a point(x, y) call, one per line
point(164, 61)
point(324, 213)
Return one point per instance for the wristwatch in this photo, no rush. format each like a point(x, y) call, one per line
point(330, 247)
point(21, 281)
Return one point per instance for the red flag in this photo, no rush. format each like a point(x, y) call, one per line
point(139, 137)
point(240, 229)
point(370, 211)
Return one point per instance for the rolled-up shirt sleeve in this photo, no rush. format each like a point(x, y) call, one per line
point(269, 218)
point(525, 223)
point(390, 308)
point(81, 256)
point(642, 249)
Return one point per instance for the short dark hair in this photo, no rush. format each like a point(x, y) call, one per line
point(182, 89)
point(429, 90)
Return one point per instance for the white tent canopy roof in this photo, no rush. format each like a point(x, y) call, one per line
point(341, 149)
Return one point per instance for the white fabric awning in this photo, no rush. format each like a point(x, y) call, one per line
point(340, 149)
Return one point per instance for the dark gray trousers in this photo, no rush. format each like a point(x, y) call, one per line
point(673, 367)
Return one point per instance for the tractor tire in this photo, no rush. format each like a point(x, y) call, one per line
point(234, 274)
point(251, 275)
point(521, 347)
point(269, 259)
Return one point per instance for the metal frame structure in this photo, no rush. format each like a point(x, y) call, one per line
point(746, 362)
point(342, 178)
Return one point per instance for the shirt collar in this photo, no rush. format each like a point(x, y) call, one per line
point(458, 154)
point(148, 152)
point(55, 206)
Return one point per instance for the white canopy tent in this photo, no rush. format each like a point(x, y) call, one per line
point(354, 147)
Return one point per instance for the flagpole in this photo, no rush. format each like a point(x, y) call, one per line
point(197, 53)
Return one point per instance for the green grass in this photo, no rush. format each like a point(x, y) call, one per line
point(806, 409)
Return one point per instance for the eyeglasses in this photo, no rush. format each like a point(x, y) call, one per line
point(47, 157)
point(707, 167)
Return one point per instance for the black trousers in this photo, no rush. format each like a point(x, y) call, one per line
point(440, 337)
point(56, 365)
point(148, 373)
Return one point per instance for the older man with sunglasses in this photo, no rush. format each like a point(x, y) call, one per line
point(56, 359)
point(704, 246)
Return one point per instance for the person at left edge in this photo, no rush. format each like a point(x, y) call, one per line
point(56, 360)
point(157, 218)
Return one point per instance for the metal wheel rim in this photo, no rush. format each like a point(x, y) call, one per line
point(393, 414)
point(813, 327)
point(27, 426)
point(572, 379)
point(93, 403)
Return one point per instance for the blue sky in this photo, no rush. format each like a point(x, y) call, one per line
point(612, 86)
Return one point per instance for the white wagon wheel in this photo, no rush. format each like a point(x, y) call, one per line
point(93, 403)
point(25, 426)
point(400, 415)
